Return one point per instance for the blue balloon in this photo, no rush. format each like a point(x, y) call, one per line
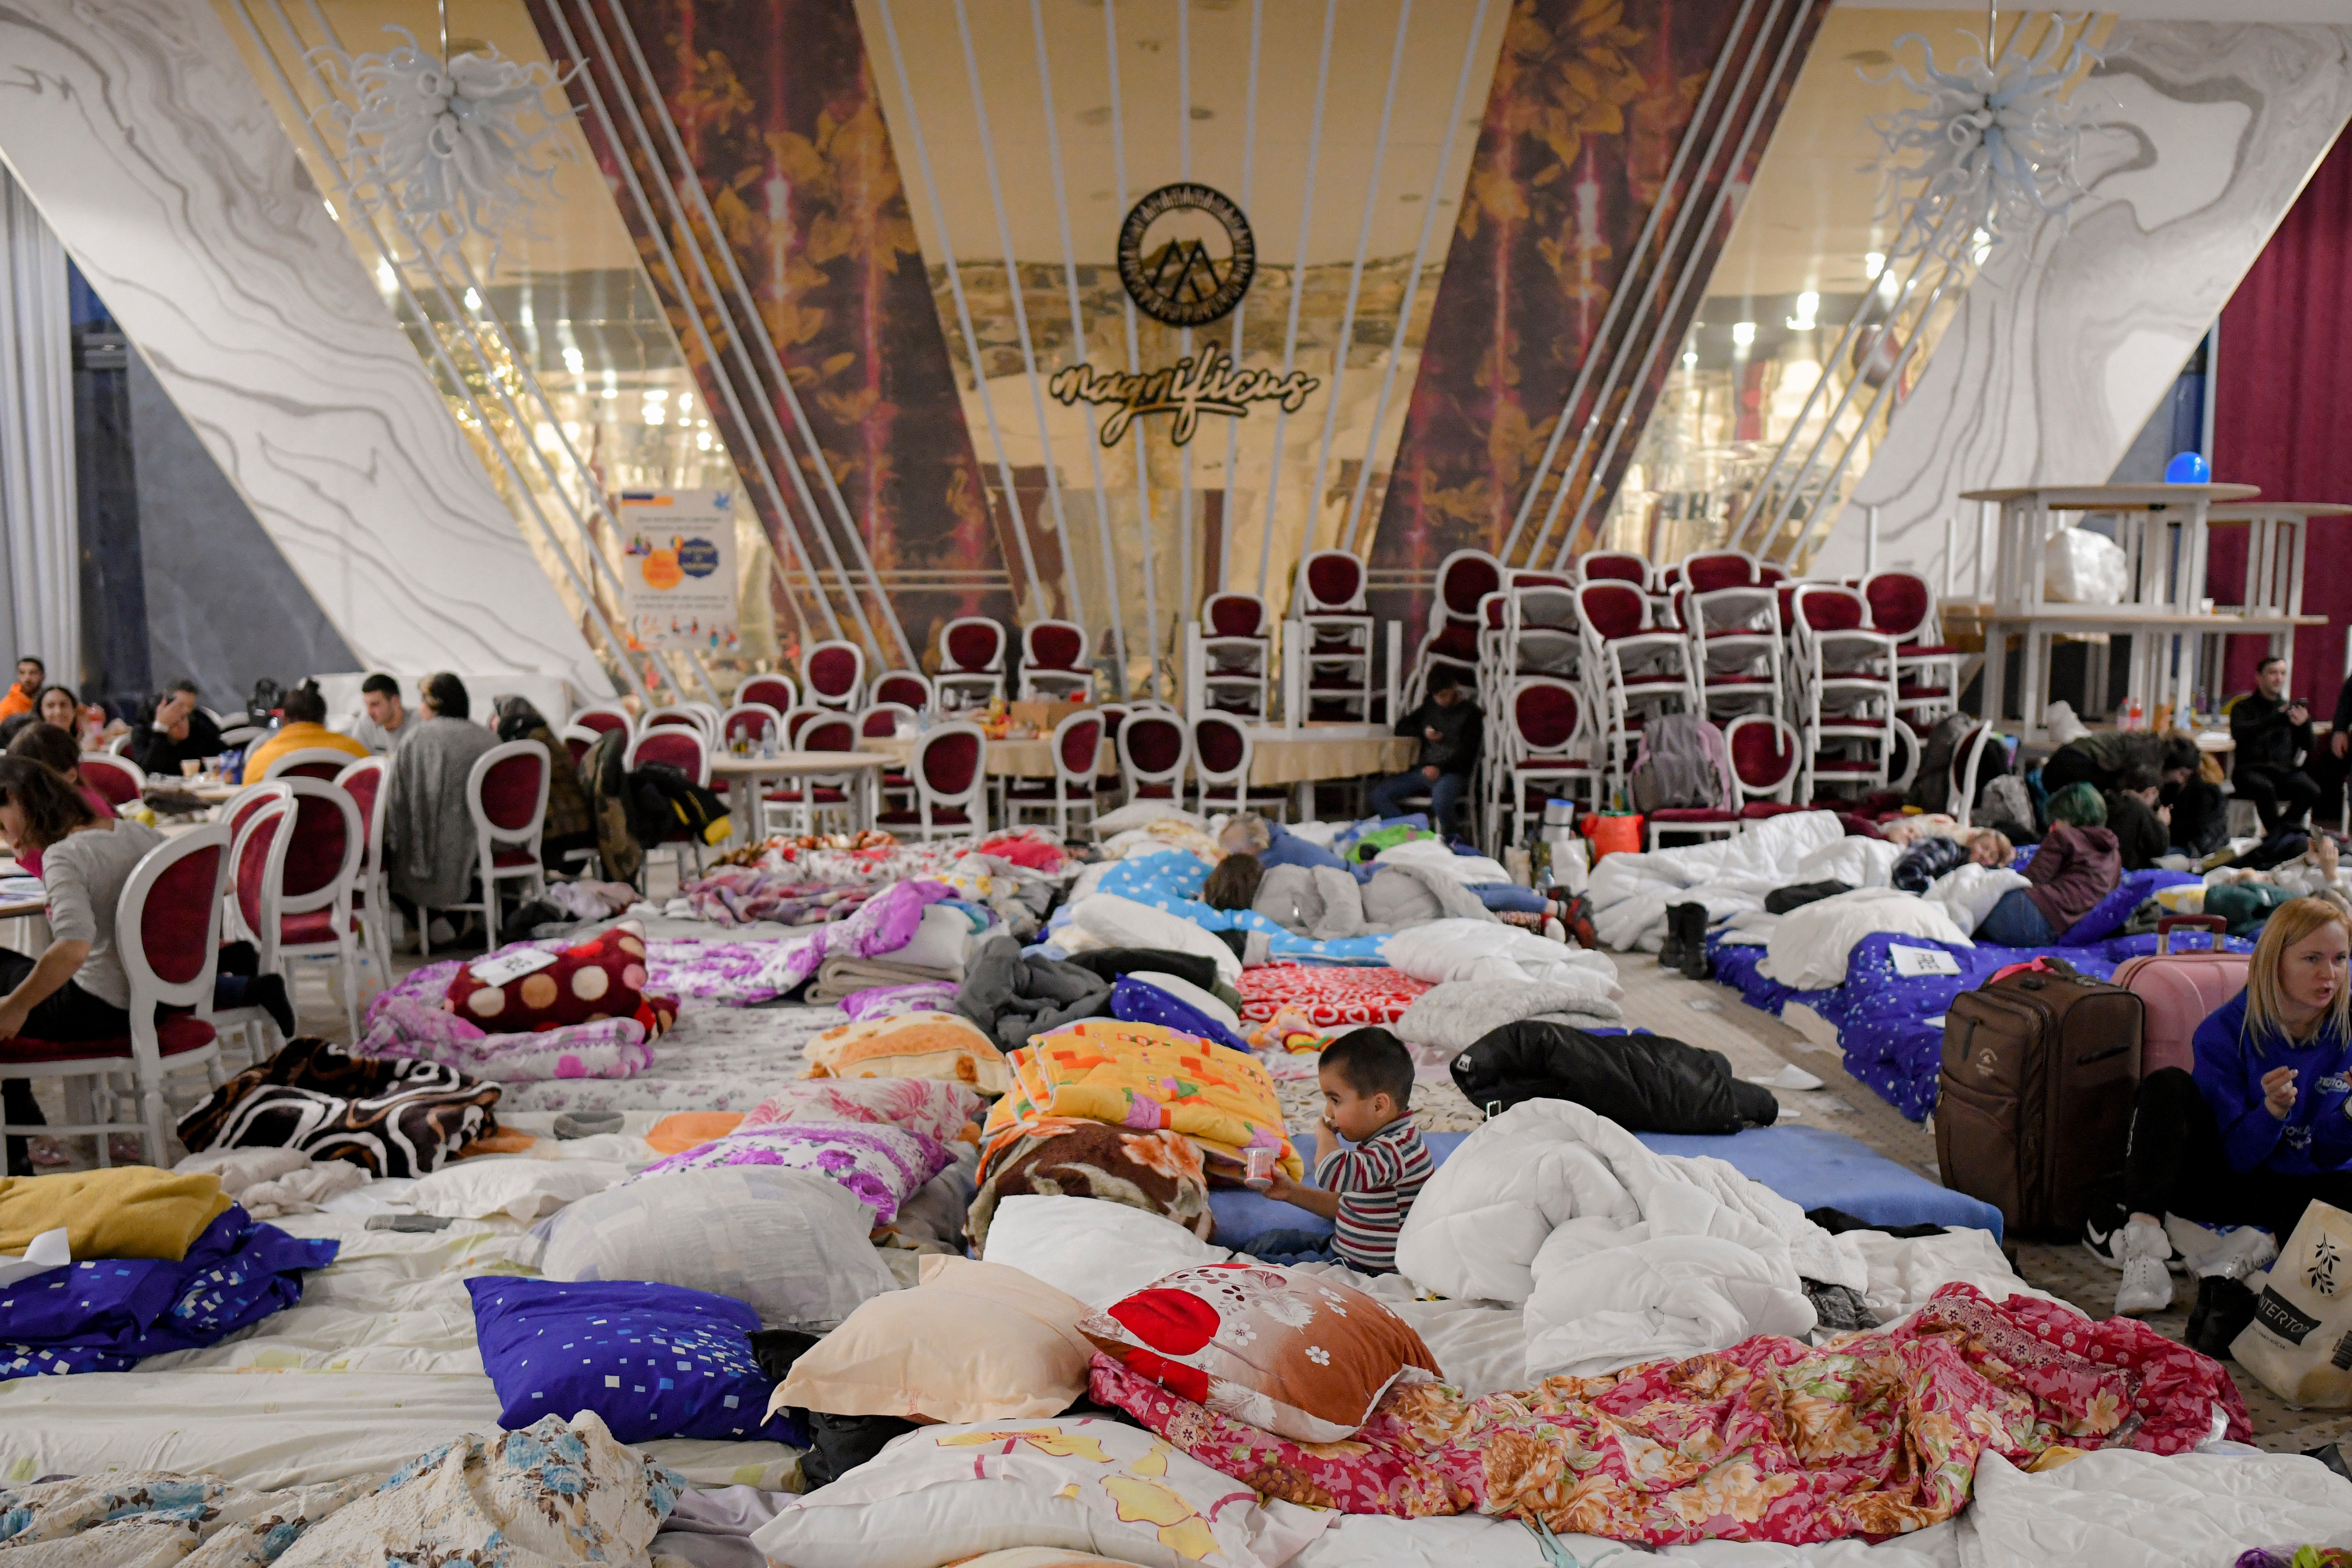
point(2187, 468)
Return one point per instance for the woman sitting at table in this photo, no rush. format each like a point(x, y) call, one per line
point(77, 988)
point(54, 750)
point(569, 826)
point(428, 828)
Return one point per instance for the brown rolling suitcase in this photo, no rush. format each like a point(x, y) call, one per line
point(2033, 1106)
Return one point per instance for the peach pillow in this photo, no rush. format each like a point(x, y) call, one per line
point(972, 1342)
point(912, 1044)
point(691, 1130)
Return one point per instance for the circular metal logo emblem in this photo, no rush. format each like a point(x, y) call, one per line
point(1186, 255)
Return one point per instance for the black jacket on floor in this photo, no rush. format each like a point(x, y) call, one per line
point(1644, 1083)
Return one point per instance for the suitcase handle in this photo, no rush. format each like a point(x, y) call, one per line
point(2214, 926)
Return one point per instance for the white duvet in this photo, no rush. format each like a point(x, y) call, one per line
point(1485, 949)
point(1618, 1255)
point(1810, 946)
point(1630, 892)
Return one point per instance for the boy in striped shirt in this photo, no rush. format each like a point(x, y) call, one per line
point(1367, 1078)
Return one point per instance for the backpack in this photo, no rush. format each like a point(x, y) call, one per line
point(665, 801)
point(605, 780)
point(1931, 788)
point(1680, 763)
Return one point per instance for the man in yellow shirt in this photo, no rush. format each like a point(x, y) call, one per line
point(30, 673)
point(303, 714)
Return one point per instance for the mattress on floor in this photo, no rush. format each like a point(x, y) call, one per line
point(1890, 1027)
point(1815, 1168)
point(376, 1363)
point(1810, 1167)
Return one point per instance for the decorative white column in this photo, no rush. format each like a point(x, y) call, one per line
point(39, 534)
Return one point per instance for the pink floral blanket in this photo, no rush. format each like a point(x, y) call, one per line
point(403, 1027)
point(1771, 1440)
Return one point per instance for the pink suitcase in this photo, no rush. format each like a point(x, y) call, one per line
point(2180, 989)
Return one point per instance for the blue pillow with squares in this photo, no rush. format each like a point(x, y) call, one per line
point(655, 1360)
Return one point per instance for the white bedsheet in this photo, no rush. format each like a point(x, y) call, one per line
point(1630, 892)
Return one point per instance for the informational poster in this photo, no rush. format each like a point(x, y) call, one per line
point(677, 568)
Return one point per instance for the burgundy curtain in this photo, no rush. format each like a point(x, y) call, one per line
point(2284, 359)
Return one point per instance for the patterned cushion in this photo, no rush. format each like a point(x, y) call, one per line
point(1329, 994)
point(1303, 1357)
point(882, 1167)
point(910, 1045)
point(601, 978)
point(935, 1108)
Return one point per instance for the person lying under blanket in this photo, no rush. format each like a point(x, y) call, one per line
point(1930, 857)
point(1322, 904)
point(2077, 864)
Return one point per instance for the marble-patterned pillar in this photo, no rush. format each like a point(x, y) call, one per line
point(145, 143)
point(2067, 341)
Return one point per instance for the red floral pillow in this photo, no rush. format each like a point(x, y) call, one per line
point(601, 978)
point(1300, 1356)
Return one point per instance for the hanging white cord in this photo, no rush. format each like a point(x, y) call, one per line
point(1134, 361)
point(1249, 172)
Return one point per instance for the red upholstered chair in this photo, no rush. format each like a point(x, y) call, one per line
point(1927, 670)
point(168, 925)
point(1765, 762)
point(318, 762)
point(578, 742)
point(1054, 661)
point(886, 721)
point(1708, 569)
point(950, 785)
point(908, 689)
point(1222, 757)
point(972, 663)
point(242, 806)
point(1077, 746)
point(313, 875)
point(750, 721)
point(678, 715)
point(1632, 671)
point(119, 779)
point(683, 750)
point(507, 794)
point(365, 781)
point(833, 674)
point(1546, 750)
point(603, 718)
point(799, 802)
point(1845, 689)
point(1736, 647)
point(1613, 566)
point(775, 691)
point(1236, 654)
point(1154, 748)
point(1464, 580)
point(1330, 607)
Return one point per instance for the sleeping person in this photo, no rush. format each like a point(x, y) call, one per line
point(1325, 905)
point(1931, 857)
point(2142, 825)
point(2076, 864)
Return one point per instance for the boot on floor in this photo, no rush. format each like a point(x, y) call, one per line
point(1689, 922)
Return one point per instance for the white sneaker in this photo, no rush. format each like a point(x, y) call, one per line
point(2246, 1250)
point(1554, 929)
point(2147, 1287)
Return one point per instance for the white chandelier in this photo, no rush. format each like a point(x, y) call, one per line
point(1994, 148)
point(464, 147)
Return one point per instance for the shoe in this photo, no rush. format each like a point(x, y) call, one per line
point(1577, 916)
point(2113, 1242)
point(1695, 964)
point(2224, 1308)
point(1670, 950)
point(2245, 1251)
point(2147, 1287)
point(1555, 931)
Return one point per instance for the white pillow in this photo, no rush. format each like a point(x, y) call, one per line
point(520, 1189)
point(1140, 814)
point(1183, 990)
point(1099, 1252)
point(945, 1493)
point(791, 1246)
point(1123, 923)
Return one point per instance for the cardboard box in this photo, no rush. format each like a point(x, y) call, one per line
point(1042, 714)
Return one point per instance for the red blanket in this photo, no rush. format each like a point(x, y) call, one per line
point(1328, 993)
point(1770, 1440)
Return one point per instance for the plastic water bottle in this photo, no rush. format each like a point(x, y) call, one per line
point(768, 740)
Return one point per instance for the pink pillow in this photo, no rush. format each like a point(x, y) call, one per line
point(933, 1107)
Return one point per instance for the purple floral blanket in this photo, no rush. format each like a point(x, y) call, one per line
point(699, 974)
point(404, 1026)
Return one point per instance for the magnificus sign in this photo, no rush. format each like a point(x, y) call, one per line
point(1186, 389)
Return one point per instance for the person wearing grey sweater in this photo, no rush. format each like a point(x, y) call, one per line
point(428, 830)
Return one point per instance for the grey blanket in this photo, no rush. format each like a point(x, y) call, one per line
point(1326, 904)
point(1014, 997)
point(838, 978)
point(428, 832)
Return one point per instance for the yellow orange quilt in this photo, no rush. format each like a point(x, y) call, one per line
point(1145, 1077)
